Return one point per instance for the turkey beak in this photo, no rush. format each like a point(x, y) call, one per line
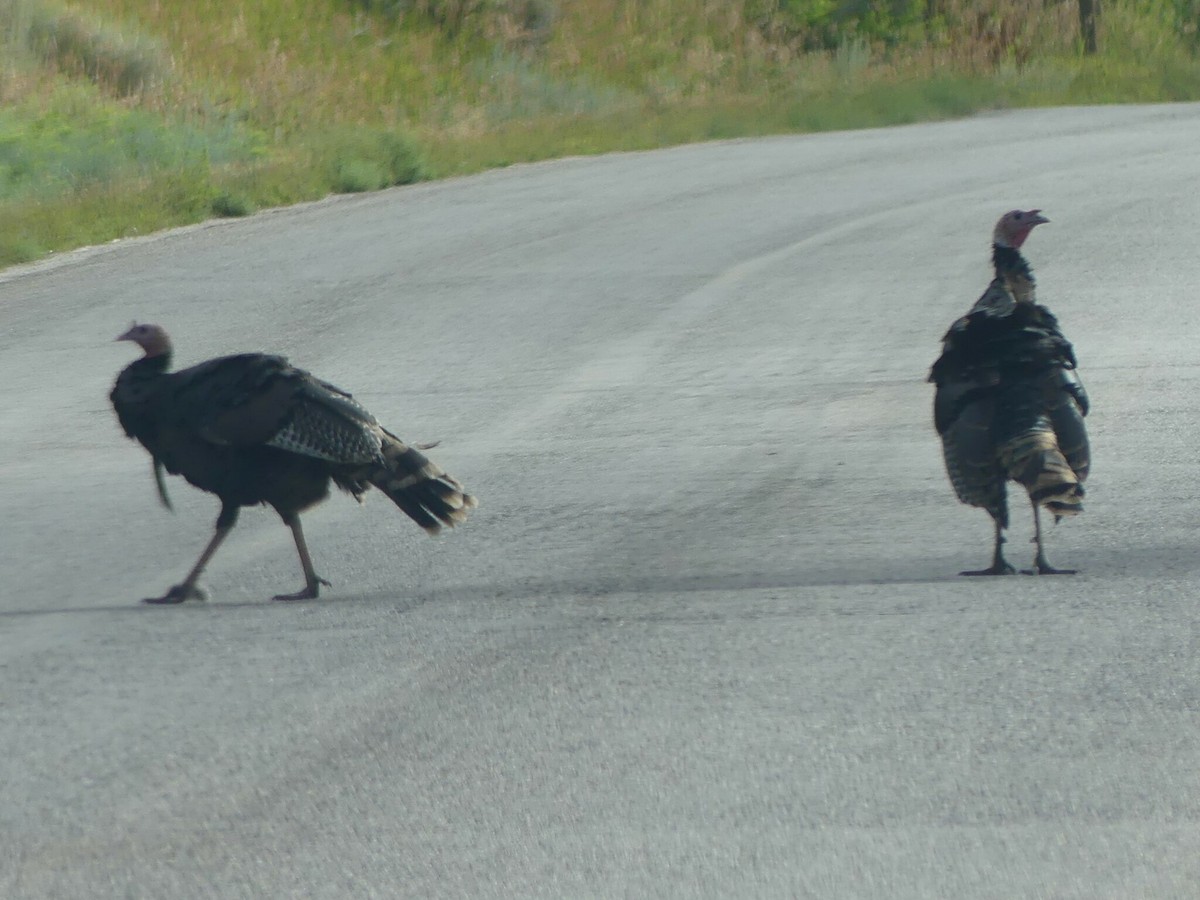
point(127, 336)
point(1037, 217)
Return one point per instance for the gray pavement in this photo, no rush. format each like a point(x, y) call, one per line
point(704, 636)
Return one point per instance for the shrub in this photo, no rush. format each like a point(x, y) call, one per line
point(120, 62)
point(355, 175)
point(231, 206)
point(366, 159)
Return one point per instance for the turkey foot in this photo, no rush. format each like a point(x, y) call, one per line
point(309, 592)
point(1043, 567)
point(999, 564)
point(996, 568)
point(1048, 570)
point(178, 594)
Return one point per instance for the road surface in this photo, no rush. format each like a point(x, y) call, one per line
point(704, 635)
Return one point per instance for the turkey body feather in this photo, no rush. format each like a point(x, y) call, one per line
point(250, 428)
point(998, 378)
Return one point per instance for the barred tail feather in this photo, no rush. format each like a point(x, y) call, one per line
point(422, 490)
point(1035, 460)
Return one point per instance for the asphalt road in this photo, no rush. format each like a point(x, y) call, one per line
point(704, 636)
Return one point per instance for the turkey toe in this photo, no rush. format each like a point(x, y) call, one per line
point(308, 593)
point(1004, 569)
point(1044, 569)
point(178, 594)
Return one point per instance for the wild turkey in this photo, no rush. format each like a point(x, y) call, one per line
point(1009, 404)
point(253, 429)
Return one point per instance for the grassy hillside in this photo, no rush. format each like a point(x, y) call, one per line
point(120, 117)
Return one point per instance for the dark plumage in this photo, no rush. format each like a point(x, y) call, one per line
point(253, 429)
point(1009, 404)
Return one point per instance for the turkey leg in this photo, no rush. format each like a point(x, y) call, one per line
point(312, 581)
point(1041, 564)
point(188, 590)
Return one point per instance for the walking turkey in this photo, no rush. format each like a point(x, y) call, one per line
point(1009, 404)
point(253, 429)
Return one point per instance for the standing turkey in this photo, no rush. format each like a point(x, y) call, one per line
point(1009, 405)
point(253, 429)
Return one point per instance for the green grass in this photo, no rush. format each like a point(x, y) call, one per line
point(72, 140)
point(120, 117)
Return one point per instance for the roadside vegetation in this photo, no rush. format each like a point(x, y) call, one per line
point(120, 117)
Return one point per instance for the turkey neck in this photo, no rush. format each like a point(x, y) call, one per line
point(149, 366)
point(136, 383)
point(135, 392)
point(1014, 271)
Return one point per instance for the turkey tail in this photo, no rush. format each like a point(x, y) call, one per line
point(422, 490)
point(1034, 459)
